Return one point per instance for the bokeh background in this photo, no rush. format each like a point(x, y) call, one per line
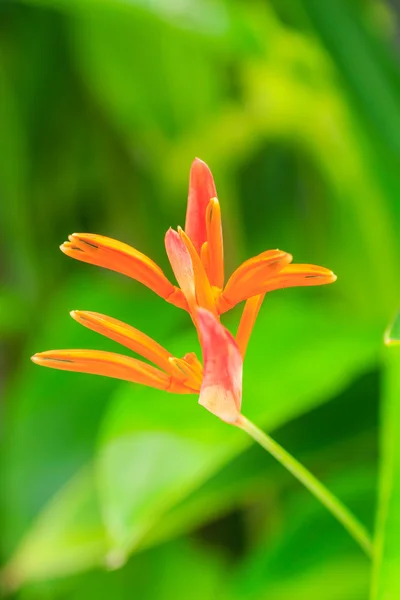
point(110, 490)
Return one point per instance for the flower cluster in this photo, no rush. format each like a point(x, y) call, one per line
point(197, 259)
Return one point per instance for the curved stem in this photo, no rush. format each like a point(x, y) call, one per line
point(333, 504)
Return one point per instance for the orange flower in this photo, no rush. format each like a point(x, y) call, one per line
point(197, 260)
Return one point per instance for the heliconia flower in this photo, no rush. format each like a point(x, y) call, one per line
point(196, 256)
point(197, 260)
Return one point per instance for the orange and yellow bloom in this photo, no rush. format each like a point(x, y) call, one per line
point(197, 259)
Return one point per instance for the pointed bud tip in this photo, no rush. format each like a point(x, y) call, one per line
point(37, 358)
point(199, 167)
point(171, 235)
point(326, 274)
point(198, 161)
point(85, 316)
point(285, 255)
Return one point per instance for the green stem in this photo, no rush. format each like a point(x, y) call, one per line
point(339, 510)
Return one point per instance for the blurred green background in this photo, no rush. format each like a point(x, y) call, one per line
point(110, 490)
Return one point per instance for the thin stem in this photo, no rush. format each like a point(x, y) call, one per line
point(333, 504)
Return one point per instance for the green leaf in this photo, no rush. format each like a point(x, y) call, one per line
point(321, 439)
point(157, 98)
point(68, 537)
point(251, 475)
point(359, 55)
point(13, 312)
point(206, 16)
point(157, 448)
point(15, 226)
point(309, 557)
point(386, 579)
point(52, 417)
point(392, 333)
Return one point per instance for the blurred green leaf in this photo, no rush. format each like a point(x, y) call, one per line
point(67, 538)
point(169, 571)
point(246, 479)
point(345, 577)
point(392, 334)
point(253, 474)
point(205, 16)
point(170, 91)
point(16, 234)
point(13, 312)
point(325, 567)
point(157, 450)
point(386, 579)
point(360, 58)
point(52, 418)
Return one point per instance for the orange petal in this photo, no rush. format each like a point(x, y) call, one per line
point(205, 257)
point(250, 278)
point(300, 275)
point(182, 266)
point(215, 249)
point(129, 337)
point(201, 190)
point(189, 271)
point(249, 316)
point(117, 256)
point(221, 390)
point(108, 364)
point(191, 376)
point(204, 293)
point(195, 364)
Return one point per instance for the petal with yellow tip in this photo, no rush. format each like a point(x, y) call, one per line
point(189, 376)
point(127, 336)
point(182, 266)
point(117, 256)
point(203, 290)
point(98, 362)
point(215, 245)
point(201, 190)
point(195, 364)
point(250, 278)
point(221, 389)
point(300, 275)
